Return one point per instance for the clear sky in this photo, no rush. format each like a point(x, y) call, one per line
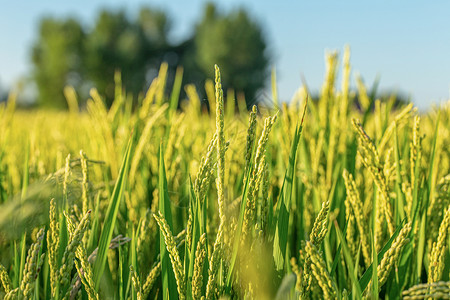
point(406, 43)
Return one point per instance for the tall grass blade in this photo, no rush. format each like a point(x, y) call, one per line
point(348, 260)
point(169, 284)
point(365, 278)
point(280, 242)
point(111, 216)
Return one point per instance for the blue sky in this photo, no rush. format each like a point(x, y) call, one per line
point(406, 43)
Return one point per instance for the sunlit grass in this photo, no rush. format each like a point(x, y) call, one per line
point(334, 198)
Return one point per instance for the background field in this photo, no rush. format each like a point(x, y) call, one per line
point(300, 200)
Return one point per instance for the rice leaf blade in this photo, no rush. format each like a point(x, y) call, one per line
point(111, 216)
point(169, 284)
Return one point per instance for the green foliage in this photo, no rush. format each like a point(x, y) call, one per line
point(117, 42)
point(236, 43)
point(67, 53)
point(57, 58)
point(111, 215)
point(200, 209)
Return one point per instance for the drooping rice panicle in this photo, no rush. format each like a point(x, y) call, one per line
point(173, 253)
point(437, 261)
point(319, 270)
point(353, 197)
point(12, 294)
point(214, 264)
point(70, 220)
point(53, 245)
point(197, 277)
point(87, 281)
point(5, 280)
point(320, 226)
point(371, 161)
point(316, 237)
point(32, 266)
point(151, 279)
point(435, 290)
point(256, 177)
point(391, 257)
point(74, 290)
point(85, 273)
point(136, 283)
point(436, 209)
point(69, 253)
point(202, 179)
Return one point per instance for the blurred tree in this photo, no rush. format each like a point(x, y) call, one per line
point(3, 93)
point(57, 59)
point(131, 46)
point(236, 43)
point(64, 53)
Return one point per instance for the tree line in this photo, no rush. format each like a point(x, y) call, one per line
point(66, 52)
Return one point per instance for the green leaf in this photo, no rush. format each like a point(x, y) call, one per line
point(365, 279)
point(175, 96)
point(374, 249)
point(238, 230)
point(111, 215)
point(374, 268)
point(63, 241)
point(337, 257)
point(23, 255)
point(398, 181)
point(93, 237)
point(169, 284)
point(433, 168)
point(284, 204)
point(133, 261)
point(120, 275)
point(349, 261)
point(197, 231)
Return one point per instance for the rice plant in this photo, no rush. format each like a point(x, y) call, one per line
point(341, 197)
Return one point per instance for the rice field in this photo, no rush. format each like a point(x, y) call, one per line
point(343, 197)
